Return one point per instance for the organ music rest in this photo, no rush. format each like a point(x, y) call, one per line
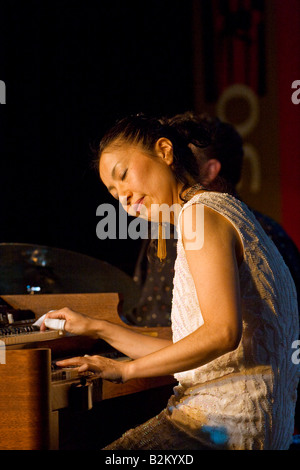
point(33, 394)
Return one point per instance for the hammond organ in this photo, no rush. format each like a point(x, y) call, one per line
point(33, 392)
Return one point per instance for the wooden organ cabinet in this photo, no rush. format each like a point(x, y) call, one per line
point(34, 396)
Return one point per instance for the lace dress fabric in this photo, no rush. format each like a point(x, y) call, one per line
point(246, 398)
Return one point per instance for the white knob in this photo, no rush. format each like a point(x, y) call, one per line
point(55, 324)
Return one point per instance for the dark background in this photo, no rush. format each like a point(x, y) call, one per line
point(71, 68)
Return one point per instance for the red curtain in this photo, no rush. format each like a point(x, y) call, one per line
point(288, 63)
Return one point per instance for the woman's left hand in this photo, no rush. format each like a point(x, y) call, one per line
point(108, 369)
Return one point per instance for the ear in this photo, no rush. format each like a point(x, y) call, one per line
point(164, 150)
point(211, 169)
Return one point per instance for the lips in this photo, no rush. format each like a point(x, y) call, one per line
point(138, 204)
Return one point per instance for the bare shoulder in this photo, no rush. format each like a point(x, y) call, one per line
point(200, 218)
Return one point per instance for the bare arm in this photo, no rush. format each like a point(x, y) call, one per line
point(131, 343)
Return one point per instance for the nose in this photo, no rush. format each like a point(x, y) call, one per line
point(125, 198)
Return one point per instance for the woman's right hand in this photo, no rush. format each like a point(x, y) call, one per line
point(75, 323)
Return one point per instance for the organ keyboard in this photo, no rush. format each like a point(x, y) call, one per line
point(33, 392)
point(28, 337)
point(17, 326)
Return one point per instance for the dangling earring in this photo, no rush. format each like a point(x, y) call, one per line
point(161, 243)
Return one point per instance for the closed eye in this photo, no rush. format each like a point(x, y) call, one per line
point(112, 188)
point(124, 175)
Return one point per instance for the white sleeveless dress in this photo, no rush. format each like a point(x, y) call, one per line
point(244, 399)
point(247, 397)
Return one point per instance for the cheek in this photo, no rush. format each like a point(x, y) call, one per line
point(152, 178)
point(144, 176)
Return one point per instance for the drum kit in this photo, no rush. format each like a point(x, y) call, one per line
point(35, 270)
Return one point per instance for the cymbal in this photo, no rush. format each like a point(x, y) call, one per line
point(34, 269)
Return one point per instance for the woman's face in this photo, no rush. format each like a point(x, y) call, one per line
point(140, 180)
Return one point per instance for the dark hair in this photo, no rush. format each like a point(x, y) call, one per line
point(143, 130)
point(213, 139)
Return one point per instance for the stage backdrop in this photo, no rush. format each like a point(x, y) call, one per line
point(247, 71)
